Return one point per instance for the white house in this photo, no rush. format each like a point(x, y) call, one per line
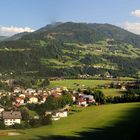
point(63, 114)
point(55, 116)
point(17, 90)
point(60, 114)
point(11, 117)
point(30, 91)
point(33, 100)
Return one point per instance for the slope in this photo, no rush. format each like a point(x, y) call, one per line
point(118, 121)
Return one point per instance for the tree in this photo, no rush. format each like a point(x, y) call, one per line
point(46, 120)
point(99, 96)
point(6, 101)
point(25, 113)
point(2, 125)
point(35, 122)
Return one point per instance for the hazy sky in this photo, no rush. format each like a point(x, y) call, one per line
point(28, 15)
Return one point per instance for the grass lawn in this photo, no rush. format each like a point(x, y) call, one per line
point(108, 122)
point(112, 92)
point(75, 84)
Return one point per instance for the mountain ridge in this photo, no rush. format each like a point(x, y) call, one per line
point(72, 49)
point(86, 33)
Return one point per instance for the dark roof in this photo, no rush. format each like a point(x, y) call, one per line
point(11, 115)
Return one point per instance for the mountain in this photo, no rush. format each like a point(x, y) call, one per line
point(72, 49)
point(16, 36)
point(3, 38)
point(49, 26)
point(85, 33)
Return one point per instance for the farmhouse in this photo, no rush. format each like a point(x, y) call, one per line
point(33, 100)
point(17, 90)
point(19, 100)
point(30, 91)
point(11, 117)
point(56, 115)
point(59, 114)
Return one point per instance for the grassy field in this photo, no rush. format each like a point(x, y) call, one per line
point(112, 92)
point(109, 122)
point(75, 84)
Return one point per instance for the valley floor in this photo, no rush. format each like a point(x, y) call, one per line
point(111, 122)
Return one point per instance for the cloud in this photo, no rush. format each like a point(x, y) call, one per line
point(136, 13)
point(133, 27)
point(9, 31)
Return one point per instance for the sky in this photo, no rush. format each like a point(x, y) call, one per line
point(29, 15)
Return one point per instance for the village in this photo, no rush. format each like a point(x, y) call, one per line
point(49, 104)
point(10, 114)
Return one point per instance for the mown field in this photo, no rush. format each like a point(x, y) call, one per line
point(75, 84)
point(112, 92)
point(108, 122)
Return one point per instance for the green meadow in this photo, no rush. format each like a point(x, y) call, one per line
point(108, 122)
point(75, 83)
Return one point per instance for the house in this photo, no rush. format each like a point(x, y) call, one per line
point(11, 117)
point(17, 90)
point(73, 99)
point(81, 101)
point(123, 88)
point(56, 90)
point(19, 101)
point(59, 114)
point(63, 114)
point(30, 91)
point(22, 96)
point(33, 100)
point(44, 97)
point(89, 98)
point(85, 100)
point(55, 116)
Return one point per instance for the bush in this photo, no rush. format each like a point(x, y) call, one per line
point(2, 125)
point(46, 120)
point(99, 97)
point(35, 122)
point(18, 126)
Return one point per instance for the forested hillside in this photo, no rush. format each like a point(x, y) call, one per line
point(72, 49)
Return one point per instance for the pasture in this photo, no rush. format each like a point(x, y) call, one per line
point(108, 122)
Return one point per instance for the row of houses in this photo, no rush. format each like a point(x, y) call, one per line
point(39, 97)
point(24, 96)
point(14, 117)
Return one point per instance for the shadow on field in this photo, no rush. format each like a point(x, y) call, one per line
point(127, 128)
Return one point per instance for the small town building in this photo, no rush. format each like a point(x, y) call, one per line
point(33, 100)
point(11, 117)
